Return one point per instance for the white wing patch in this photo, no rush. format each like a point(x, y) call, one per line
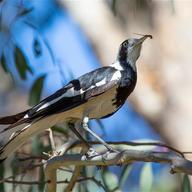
point(102, 82)
point(116, 76)
point(42, 107)
point(69, 93)
point(26, 116)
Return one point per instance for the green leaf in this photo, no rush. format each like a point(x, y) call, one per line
point(37, 146)
point(110, 180)
point(114, 4)
point(186, 184)
point(124, 175)
point(21, 63)
point(61, 130)
point(2, 188)
point(5, 67)
point(25, 11)
point(31, 188)
point(146, 178)
point(35, 92)
point(41, 179)
point(37, 47)
point(14, 169)
point(3, 63)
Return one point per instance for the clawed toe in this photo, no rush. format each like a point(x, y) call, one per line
point(111, 149)
point(91, 153)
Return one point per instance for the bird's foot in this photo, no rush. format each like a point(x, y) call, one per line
point(111, 149)
point(90, 154)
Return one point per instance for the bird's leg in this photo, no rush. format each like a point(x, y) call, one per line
point(86, 127)
point(91, 152)
point(72, 127)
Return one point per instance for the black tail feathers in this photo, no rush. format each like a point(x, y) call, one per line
point(13, 118)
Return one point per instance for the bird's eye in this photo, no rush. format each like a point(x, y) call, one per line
point(125, 44)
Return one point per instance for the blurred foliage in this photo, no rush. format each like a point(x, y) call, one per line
point(186, 184)
point(146, 178)
point(35, 93)
point(124, 175)
point(2, 188)
point(139, 4)
point(37, 48)
point(3, 63)
point(110, 180)
point(143, 10)
point(21, 63)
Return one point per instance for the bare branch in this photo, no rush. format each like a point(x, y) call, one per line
point(51, 138)
point(51, 173)
point(76, 174)
point(77, 171)
point(130, 143)
point(178, 164)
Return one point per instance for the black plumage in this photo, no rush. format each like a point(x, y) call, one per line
point(126, 85)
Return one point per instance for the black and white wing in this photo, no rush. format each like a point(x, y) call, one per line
point(76, 92)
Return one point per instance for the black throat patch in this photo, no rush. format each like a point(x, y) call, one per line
point(126, 86)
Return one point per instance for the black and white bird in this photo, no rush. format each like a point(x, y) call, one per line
point(95, 95)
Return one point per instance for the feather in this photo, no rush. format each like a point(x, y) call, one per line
point(12, 118)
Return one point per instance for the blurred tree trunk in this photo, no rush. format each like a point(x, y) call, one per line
point(163, 92)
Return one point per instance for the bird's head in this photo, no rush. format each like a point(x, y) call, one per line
point(130, 49)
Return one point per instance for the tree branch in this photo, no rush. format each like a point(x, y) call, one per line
point(77, 172)
point(178, 164)
point(128, 143)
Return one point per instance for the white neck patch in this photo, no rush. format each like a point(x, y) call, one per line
point(117, 66)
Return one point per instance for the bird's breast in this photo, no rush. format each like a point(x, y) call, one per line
point(109, 102)
point(103, 104)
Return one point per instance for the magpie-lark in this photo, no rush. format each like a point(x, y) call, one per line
point(95, 95)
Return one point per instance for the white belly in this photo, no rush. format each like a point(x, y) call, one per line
point(95, 108)
point(102, 105)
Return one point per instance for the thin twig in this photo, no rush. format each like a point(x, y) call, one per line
point(32, 158)
point(74, 178)
point(93, 179)
point(98, 183)
point(77, 172)
point(51, 139)
point(130, 143)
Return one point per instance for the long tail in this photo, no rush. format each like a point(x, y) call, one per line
point(13, 118)
point(7, 136)
point(16, 123)
point(15, 135)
